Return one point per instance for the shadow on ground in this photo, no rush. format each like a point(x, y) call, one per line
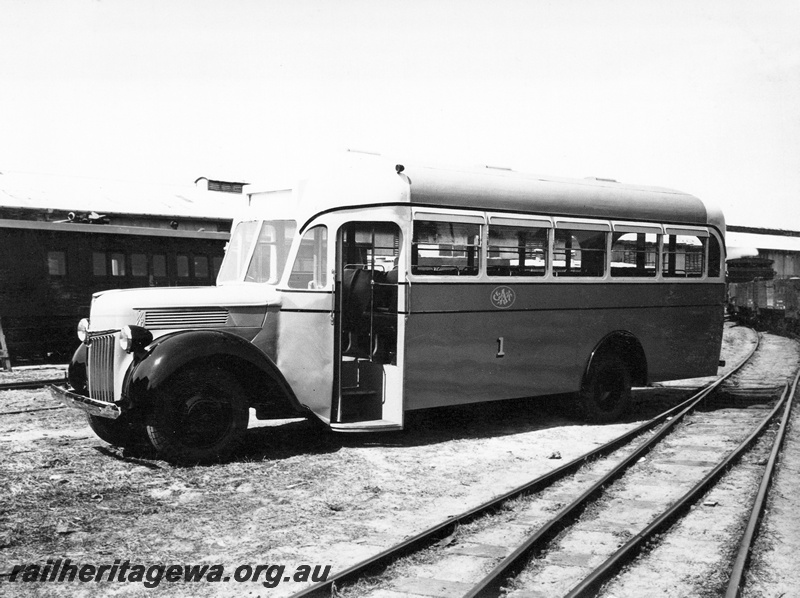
point(443, 424)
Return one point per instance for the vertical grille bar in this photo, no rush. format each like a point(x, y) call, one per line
point(101, 368)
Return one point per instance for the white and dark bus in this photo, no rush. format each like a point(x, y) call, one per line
point(376, 289)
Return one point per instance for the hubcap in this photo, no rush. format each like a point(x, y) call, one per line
point(203, 421)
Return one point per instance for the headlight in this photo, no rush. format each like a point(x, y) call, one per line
point(134, 338)
point(83, 329)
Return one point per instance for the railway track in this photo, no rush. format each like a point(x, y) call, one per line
point(619, 498)
point(30, 384)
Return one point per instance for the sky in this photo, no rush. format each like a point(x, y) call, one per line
point(697, 95)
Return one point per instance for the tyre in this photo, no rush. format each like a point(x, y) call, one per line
point(202, 416)
point(119, 432)
point(606, 392)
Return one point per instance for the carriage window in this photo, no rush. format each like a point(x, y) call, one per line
point(183, 266)
point(56, 263)
point(683, 256)
point(99, 263)
point(117, 264)
point(200, 266)
point(634, 255)
point(138, 264)
point(216, 263)
point(579, 253)
point(517, 251)
point(445, 248)
point(310, 270)
point(160, 265)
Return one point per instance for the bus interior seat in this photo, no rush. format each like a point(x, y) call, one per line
point(355, 304)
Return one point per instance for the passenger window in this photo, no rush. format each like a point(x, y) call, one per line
point(216, 264)
point(310, 270)
point(200, 266)
point(516, 251)
point(634, 255)
point(57, 263)
point(445, 248)
point(117, 264)
point(138, 264)
point(683, 256)
point(160, 265)
point(99, 263)
point(579, 253)
point(183, 266)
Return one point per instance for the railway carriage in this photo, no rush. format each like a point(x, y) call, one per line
point(774, 303)
point(49, 271)
point(374, 289)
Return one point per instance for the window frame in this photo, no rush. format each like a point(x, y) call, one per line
point(487, 219)
point(646, 228)
point(479, 248)
point(701, 233)
point(582, 225)
point(532, 223)
point(60, 263)
point(323, 268)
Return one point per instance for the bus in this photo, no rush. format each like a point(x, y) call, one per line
point(373, 289)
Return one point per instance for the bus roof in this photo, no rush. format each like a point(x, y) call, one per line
point(379, 182)
point(503, 190)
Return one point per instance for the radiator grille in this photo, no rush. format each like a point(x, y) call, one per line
point(171, 318)
point(101, 368)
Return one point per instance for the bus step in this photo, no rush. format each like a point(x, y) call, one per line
point(359, 405)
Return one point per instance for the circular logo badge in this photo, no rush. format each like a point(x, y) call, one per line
point(503, 297)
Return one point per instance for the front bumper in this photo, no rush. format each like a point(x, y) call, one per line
point(87, 404)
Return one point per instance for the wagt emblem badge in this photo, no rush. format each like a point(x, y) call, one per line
point(503, 297)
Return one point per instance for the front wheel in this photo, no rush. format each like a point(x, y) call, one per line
point(119, 432)
point(202, 418)
point(606, 392)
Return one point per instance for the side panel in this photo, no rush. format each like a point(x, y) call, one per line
point(305, 355)
point(460, 348)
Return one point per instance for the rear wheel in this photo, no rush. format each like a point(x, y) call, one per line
point(202, 418)
point(606, 392)
point(119, 432)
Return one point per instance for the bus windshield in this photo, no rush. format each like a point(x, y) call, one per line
point(257, 251)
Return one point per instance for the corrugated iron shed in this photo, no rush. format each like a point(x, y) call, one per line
point(65, 194)
point(764, 242)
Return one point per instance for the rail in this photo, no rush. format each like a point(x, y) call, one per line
point(490, 584)
point(748, 537)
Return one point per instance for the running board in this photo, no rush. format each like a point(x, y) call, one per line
point(375, 425)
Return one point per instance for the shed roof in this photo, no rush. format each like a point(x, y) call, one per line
point(64, 194)
point(765, 242)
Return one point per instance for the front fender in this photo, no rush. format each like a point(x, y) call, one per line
point(76, 372)
point(168, 354)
